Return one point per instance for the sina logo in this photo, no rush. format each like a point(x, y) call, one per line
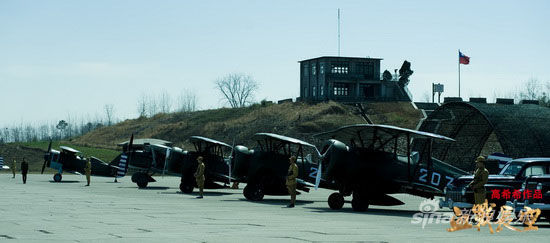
point(429, 206)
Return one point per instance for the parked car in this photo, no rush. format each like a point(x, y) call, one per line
point(540, 183)
point(510, 178)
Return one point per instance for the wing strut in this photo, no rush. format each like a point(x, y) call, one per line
point(430, 142)
point(409, 156)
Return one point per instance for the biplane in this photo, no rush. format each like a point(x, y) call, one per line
point(154, 156)
point(147, 157)
point(69, 160)
point(265, 167)
point(216, 160)
point(370, 161)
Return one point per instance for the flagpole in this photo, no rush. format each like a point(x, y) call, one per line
point(459, 73)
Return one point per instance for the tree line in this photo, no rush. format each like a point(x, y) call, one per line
point(236, 90)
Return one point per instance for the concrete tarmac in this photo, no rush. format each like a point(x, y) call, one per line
point(43, 210)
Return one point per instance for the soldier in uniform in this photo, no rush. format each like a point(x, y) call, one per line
point(24, 170)
point(88, 170)
point(481, 175)
point(199, 176)
point(13, 167)
point(291, 180)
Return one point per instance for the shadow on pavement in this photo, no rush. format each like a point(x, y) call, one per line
point(147, 188)
point(372, 211)
point(274, 201)
point(154, 188)
point(64, 181)
point(194, 194)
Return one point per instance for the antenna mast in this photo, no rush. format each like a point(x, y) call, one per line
point(338, 32)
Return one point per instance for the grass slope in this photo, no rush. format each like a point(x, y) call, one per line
point(299, 120)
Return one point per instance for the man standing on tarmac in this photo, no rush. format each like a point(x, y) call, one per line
point(24, 170)
point(88, 171)
point(291, 180)
point(13, 165)
point(199, 176)
point(481, 175)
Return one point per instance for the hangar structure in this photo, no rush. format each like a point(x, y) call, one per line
point(521, 130)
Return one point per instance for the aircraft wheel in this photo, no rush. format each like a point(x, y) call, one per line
point(57, 177)
point(253, 193)
point(186, 188)
point(246, 192)
point(136, 176)
point(142, 181)
point(359, 202)
point(336, 201)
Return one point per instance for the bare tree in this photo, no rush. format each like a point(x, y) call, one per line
point(534, 89)
point(109, 110)
point(61, 126)
point(43, 132)
point(237, 89)
point(142, 105)
point(6, 132)
point(152, 106)
point(16, 133)
point(187, 101)
point(30, 133)
point(165, 102)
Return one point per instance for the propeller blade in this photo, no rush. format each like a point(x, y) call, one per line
point(166, 160)
point(130, 151)
point(131, 142)
point(319, 173)
point(46, 157)
point(43, 166)
point(50, 146)
point(231, 159)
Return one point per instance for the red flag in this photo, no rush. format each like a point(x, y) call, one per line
point(463, 59)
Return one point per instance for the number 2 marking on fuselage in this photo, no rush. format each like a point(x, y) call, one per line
point(313, 173)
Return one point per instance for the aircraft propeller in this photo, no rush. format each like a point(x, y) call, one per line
point(130, 144)
point(320, 168)
point(231, 159)
point(46, 157)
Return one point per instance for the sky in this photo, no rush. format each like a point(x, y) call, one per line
point(62, 59)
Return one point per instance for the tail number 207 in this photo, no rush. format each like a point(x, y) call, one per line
point(436, 178)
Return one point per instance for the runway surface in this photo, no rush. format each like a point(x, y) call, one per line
point(43, 210)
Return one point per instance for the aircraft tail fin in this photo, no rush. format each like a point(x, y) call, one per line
point(122, 166)
point(2, 166)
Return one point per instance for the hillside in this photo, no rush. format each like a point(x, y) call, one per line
point(299, 120)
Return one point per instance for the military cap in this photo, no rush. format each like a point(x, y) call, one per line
point(480, 159)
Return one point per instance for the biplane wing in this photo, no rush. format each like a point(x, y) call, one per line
point(366, 132)
point(194, 139)
point(285, 139)
point(69, 149)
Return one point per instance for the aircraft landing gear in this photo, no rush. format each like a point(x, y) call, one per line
point(336, 201)
point(186, 187)
point(359, 202)
point(140, 179)
point(253, 192)
point(57, 177)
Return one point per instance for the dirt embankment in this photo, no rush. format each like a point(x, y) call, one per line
point(299, 120)
point(34, 156)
